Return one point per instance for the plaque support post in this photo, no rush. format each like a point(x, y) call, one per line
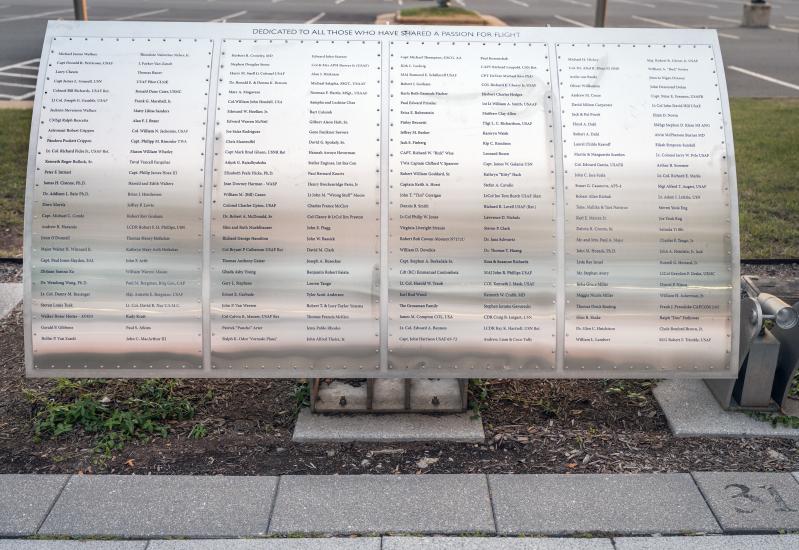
point(397, 395)
point(768, 357)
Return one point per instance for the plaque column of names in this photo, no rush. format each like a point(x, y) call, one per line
point(116, 229)
point(295, 230)
point(472, 257)
point(646, 189)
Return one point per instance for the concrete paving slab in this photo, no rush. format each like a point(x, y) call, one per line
point(10, 296)
point(11, 544)
point(713, 542)
point(751, 501)
point(482, 543)
point(25, 501)
point(692, 411)
point(372, 543)
point(388, 428)
point(366, 504)
point(546, 504)
point(162, 506)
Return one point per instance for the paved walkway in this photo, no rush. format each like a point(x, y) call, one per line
point(732, 510)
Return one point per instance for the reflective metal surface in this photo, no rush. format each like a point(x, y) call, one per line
point(295, 229)
point(350, 201)
point(116, 232)
point(472, 263)
point(648, 273)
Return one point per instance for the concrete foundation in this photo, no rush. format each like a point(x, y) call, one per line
point(388, 428)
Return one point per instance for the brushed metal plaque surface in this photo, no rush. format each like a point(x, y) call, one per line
point(472, 241)
point(647, 204)
point(266, 200)
point(116, 229)
point(295, 220)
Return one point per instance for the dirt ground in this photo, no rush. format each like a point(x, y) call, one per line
point(532, 426)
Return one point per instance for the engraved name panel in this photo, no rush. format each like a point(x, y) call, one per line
point(647, 203)
point(472, 243)
point(295, 248)
point(116, 231)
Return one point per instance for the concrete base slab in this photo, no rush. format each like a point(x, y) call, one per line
point(10, 296)
point(388, 428)
point(692, 411)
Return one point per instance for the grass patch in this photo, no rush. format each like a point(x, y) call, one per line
point(113, 411)
point(15, 129)
point(766, 144)
point(766, 135)
point(438, 12)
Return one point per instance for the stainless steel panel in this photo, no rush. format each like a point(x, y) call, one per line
point(472, 243)
point(649, 278)
point(116, 211)
point(295, 229)
point(269, 310)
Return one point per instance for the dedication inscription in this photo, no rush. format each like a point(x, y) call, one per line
point(364, 201)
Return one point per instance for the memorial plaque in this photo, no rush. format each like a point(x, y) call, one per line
point(116, 232)
point(472, 243)
point(647, 205)
point(295, 244)
point(380, 201)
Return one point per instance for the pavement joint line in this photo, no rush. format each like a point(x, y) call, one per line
point(763, 77)
point(707, 502)
point(274, 501)
point(52, 504)
point(33, 15)
point(571, 21)
point(142, 14)
point(491, 501)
